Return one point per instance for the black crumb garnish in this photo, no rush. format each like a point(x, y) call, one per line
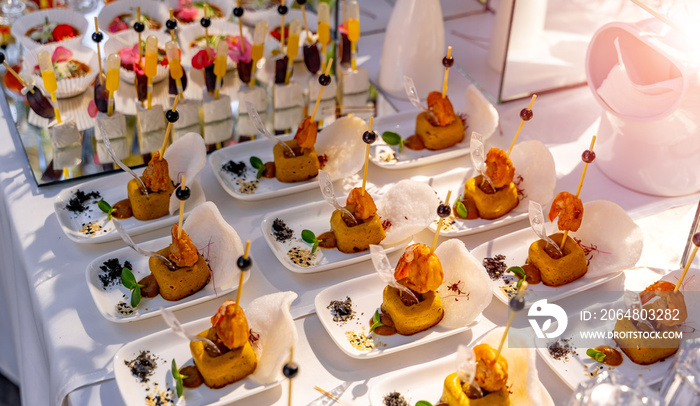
point(236, 168)
point(561, 349)
point(281, 231)
point(495, 266)
point(395, 399)
point(77, 202)
point(142, 366)
point(341, 310)
point(112, 269)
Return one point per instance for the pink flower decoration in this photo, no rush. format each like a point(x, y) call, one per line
point(187, 14)
point(201, 60)
point(61, 54)
point(92, 109)
point(234, 50)
point(129, 56)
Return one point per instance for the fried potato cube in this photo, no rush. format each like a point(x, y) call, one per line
point(558, 272)
point(225, 369)
point(409, 320)
point(494, 205)
point(303, 166)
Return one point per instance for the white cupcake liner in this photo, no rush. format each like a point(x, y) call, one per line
point(153, 9)
point(58, 15)
point(118, 41)
point(226, 7)
point(66, 87)
point(190, 32)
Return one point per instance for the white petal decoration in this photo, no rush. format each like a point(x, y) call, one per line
point(218, 243)
point(533, 161)
point(482, 117)
point(409, 206)
point(186, 156)
point(523, 380)
point(617, 238)
point(342, 143)
point(269, 316)
point(464, 271)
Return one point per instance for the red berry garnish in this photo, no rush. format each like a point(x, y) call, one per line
point(588, 156)
point(448, 62)
point(696, 239)
point(526, 114)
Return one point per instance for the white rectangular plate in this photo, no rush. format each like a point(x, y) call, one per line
point(575, 370)
point(316, 217)
point(366, 294)
point(107, 299)
point(166, 346)
point(112, 189)
point(515, 248)
point(266, 188)
point(420, 382)
point(404, 124)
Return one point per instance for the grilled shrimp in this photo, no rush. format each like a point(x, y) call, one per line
point(363, 203)
point(306, 133)
point(569, 208)
point(155, 176)
point(182, 251)
point(231, 325)
point(499, 167)
point(442, 109)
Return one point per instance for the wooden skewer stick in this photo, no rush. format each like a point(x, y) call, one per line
point(172, 32)
point(327, 394)
point(291, 361)
point(168, 129)
point(519, 295)
point(240, 30)
point(320, 91)
point(660, 16)
point(17, 76)
point(685, 270)
point(439, 226)
point(447, 72)
point(306, 25)
point(364, 175)
point(240, 280)
point(183, 185)
point(282, 32)
point(99, 56)
point(206, 32)
point(520, 127)
point(578, 191)
point(138, 18)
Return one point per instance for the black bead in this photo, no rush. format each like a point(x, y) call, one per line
point(205, 22)
point(2, 57)
point(238, 11)
point(516, 303)
point(369, 137)
point(282, 9)
point(526, 114)
point(588, 156)
point(324, 80)
point(139, 26)
point(182, 194)
point(448, 62)
point(290, 370)
point(444, 210)
point(243, 263)
point(97, 37)
point(696, 239)
point(171, 24)
point(301, 2)
point(172, 116)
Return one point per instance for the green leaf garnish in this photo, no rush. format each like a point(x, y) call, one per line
point(106, 208)
point(129, 282)
point(520, 273)
point(309, 237)
point(423, 403)
point(376, 321)
point(178, 378)
point(259, 165)
point(393, 138)
point(595, 354)
point(460, 208)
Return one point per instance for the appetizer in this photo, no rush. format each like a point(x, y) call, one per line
point(189, 11)
point(64, 66)
point(125, 21)
point(669, 312)
point(49, 32)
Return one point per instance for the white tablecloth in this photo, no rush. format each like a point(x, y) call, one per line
point(62, 343)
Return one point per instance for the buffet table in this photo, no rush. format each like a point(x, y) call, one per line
point(60, 349)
